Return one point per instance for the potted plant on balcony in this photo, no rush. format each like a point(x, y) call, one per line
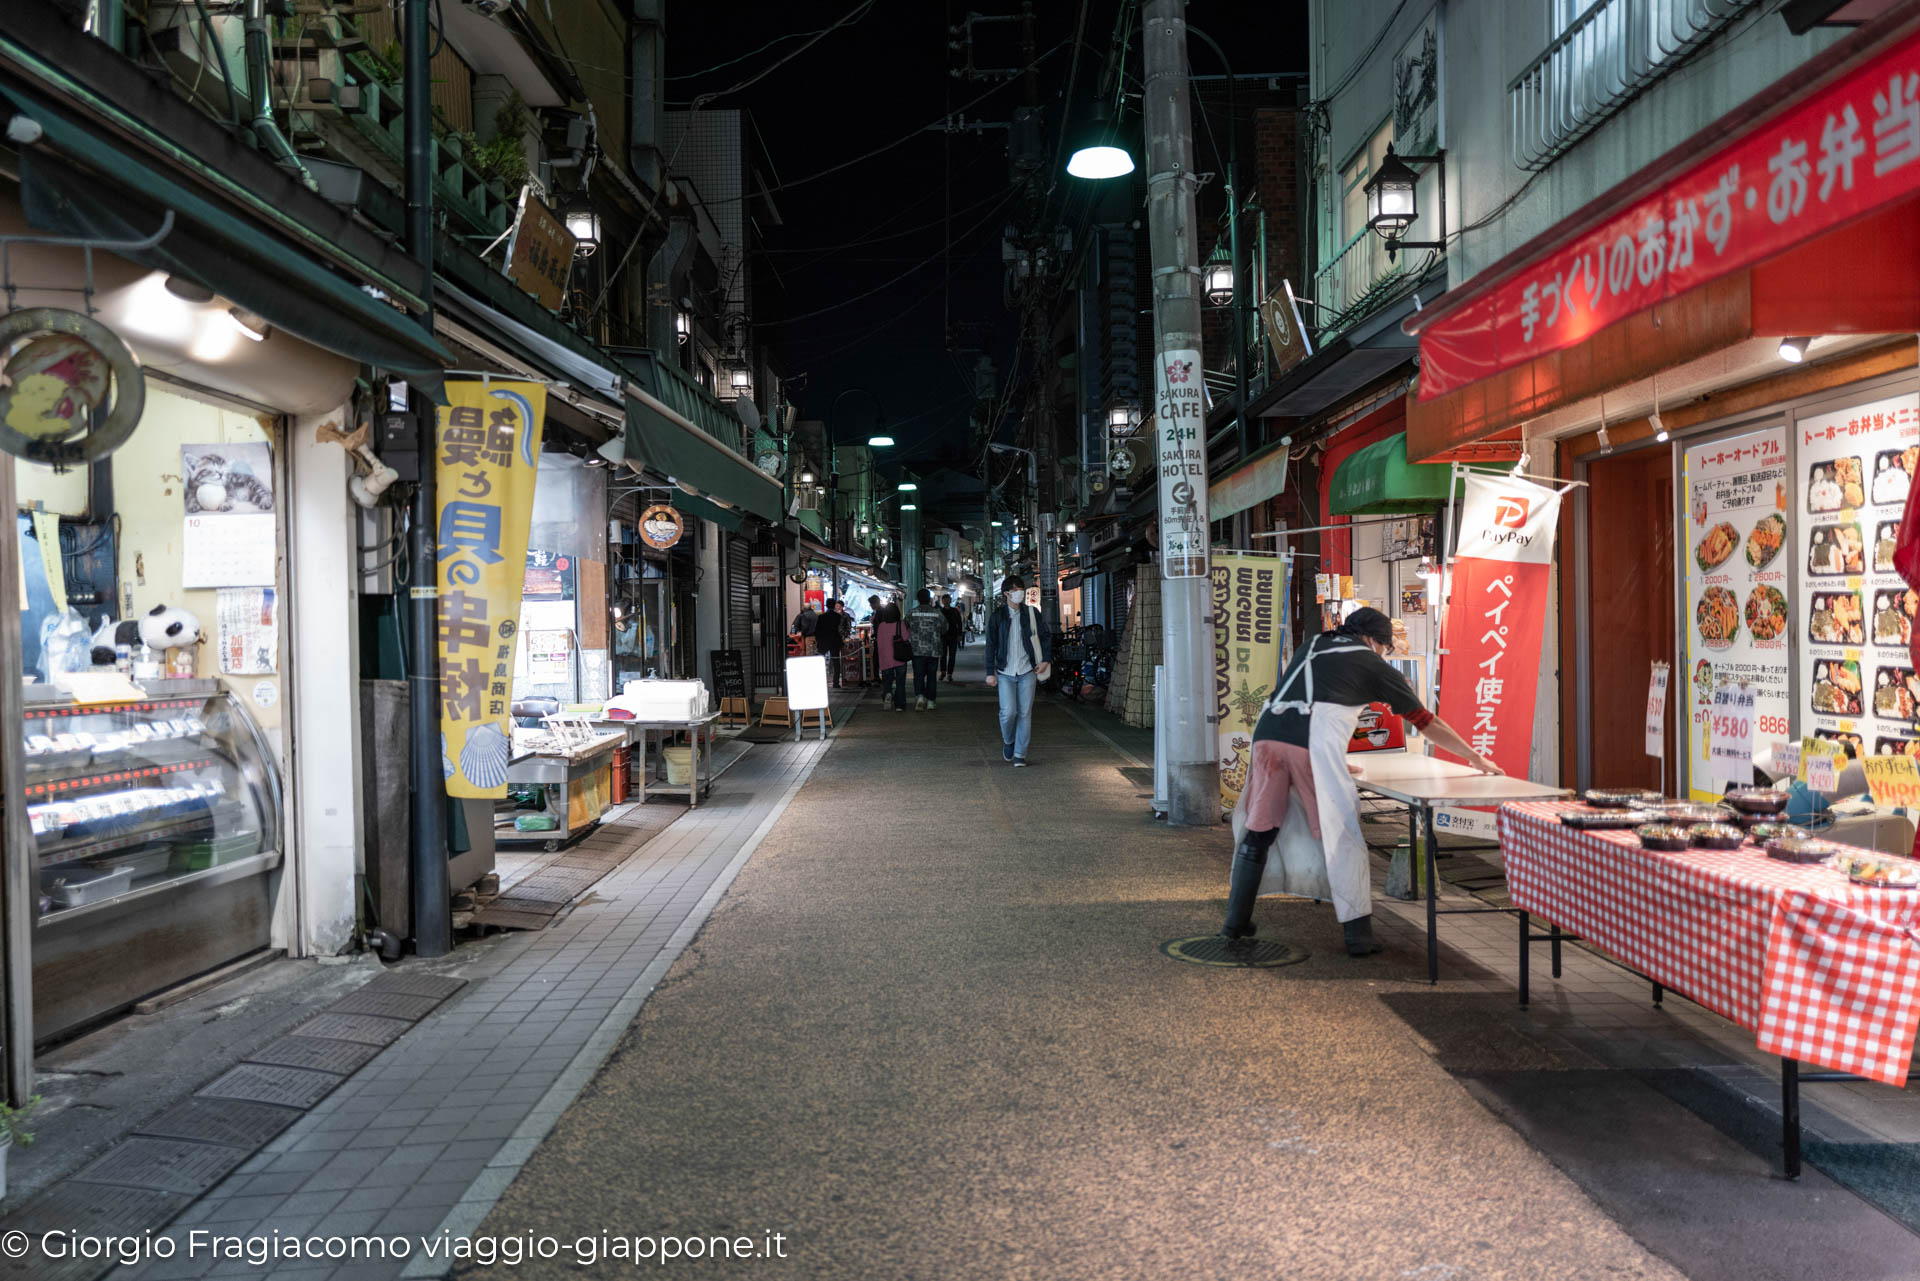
point(13, 1130)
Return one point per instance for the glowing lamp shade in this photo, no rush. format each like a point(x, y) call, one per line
point(1072, 528)
point(583, 224)
point(994, 523)
point(1219, 283)
point(249, 323)
point(1120, 420)
point(1392, 204)
point(879, 442)
point(1098, 151)
point(806, 476)
point(1794, 350)
point(909, 507)
point(907, 487)
point(682, 325)
point(741, 377)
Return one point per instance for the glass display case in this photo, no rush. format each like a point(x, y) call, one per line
point(126, 799)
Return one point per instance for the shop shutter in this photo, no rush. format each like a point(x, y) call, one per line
point(739, 561)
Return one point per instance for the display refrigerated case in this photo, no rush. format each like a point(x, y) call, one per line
point(155, 829)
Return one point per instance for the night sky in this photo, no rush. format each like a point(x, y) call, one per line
point(918, 227)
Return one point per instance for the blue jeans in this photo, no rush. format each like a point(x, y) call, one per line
point(893, 684)
point(1016, 710)
point(924, 672)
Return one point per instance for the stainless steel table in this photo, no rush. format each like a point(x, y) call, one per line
point(700, 727)
point(554, 770)
point(1422, 783)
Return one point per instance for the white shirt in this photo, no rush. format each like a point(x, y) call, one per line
point(1017, 662)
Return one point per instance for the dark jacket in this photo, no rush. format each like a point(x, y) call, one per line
point(954, 624)
point(829, 632)
point(1033, 633)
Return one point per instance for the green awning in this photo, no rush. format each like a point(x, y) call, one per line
point(671, 445)
point(75, 182)
point(1379, 481)
point(725, 517)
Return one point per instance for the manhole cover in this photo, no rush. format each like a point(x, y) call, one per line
point(165, 1165)
point(1241, 954)
point(368, 1029)
point(95, 1209)
point(392, 1005)
point(344, 1057)
point(418, 984)
point(260, 1083)
point(231, 1121)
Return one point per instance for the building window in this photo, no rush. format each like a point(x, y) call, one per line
point(1356, 262)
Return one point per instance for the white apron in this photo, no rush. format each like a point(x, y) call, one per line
point(1334, 867)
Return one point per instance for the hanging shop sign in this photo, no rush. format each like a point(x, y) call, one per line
point(1496, 616)
point(1249, 618)
point(661, 526)
point(1179, 422)
point(765, 571)
point(1738, 542)
point(1855, 468)
point(540, 252)
point(1285, 334)
point(60, 370)
point(486, 452)
point(1844, 151)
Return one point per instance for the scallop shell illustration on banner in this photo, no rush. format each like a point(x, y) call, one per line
point(446, 762)
point(484, 757)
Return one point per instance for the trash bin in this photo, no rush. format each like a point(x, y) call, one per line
point(679, 765)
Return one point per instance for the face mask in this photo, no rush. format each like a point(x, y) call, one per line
point(1014, 598)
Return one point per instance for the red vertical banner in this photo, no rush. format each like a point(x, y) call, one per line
point(1496, 617)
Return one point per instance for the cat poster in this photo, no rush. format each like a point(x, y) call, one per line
point(230, 478)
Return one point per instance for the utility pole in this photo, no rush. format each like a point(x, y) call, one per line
point(1040, 465)
point(432, 899)
point(1184, 735)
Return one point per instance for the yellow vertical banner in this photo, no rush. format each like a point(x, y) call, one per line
point(1249, 623)
point(486, 456)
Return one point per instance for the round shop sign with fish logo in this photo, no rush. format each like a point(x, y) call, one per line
point(661, 526)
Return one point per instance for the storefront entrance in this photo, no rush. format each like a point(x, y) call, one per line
point(1629, 604)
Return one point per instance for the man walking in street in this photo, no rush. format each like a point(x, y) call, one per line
point(1019, 656)
point(927, 630)
point(829, 633)
point(951, 650)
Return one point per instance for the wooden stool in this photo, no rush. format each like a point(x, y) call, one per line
point(775, 711)
point(735, 711)
point(811, 718)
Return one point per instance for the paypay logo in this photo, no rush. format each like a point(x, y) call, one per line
point(1510, 511)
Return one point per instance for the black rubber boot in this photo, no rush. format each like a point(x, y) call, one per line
point(1359, 932)
point(1249, 864)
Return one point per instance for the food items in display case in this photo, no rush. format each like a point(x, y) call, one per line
point(1885, 871)
point(1716, 836)
point(1835, 485)
point(1854, 744)
point(1764, 542)
point(1718, 617)
point(1835, 549)
point(1836, 619)
point(1800, 849)
point(1893, 473)
point(1671, 837)
point(1896, 694)
point(1897, 747)
point(1620, 797)
point(1766, 613)
point(1713, 550)
point(1893, 614)
point(1886, 537)
point(1602, 820)
point(1836, 687)
point(1758, 800)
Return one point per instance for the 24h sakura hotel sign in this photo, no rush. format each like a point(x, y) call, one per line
point(1845, 151)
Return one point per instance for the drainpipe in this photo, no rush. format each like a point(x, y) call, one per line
point(432, 896)
point(260, 87)
point(665, 273)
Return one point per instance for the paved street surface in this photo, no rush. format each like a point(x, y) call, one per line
point(929, 1033)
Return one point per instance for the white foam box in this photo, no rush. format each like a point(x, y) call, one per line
point(663, 700)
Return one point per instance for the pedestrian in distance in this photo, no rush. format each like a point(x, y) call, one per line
point(830, 634)
point(950, 650)
point(805, 625)
point(894, 648)
point(927, 630)
point(1019, 657)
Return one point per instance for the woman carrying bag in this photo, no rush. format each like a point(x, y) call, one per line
point(895, 651)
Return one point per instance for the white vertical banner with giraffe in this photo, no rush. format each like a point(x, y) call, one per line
point(1249, 620)
point(1180, 437)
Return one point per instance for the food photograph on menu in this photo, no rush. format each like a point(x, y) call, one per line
point(1718, 617)
point(1893, 612)
point(1766, 613)
point(1896, 693)
point(1834, 485)
point(1893, 473)
point(1716, 547)
point(1836, 619)
point(1886, 536)
point(1766, 539)
point(1854, 744)
point(1836, 687)
point(1835, 549)
point(1897, 747)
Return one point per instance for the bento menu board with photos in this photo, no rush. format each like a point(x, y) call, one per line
point(1739, 524)
point(1855, 467)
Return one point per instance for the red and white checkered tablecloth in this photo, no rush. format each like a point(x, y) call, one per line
point(1822, 970)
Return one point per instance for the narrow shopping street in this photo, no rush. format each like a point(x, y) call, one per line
point(929, 1033)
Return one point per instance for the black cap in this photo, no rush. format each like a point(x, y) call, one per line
point(1370, 623)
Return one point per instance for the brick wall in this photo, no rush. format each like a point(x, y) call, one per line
point(1276, 147)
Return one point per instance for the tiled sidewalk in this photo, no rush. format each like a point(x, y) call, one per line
point(427, 1136)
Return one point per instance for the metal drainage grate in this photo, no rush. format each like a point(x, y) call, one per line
point(1239, 954)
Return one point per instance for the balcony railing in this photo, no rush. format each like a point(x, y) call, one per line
point(1354, 282)
point(1606, 56)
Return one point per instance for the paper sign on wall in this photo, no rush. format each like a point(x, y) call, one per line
point(1732, 734)
point(1893, 780)
point(1657, 710)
